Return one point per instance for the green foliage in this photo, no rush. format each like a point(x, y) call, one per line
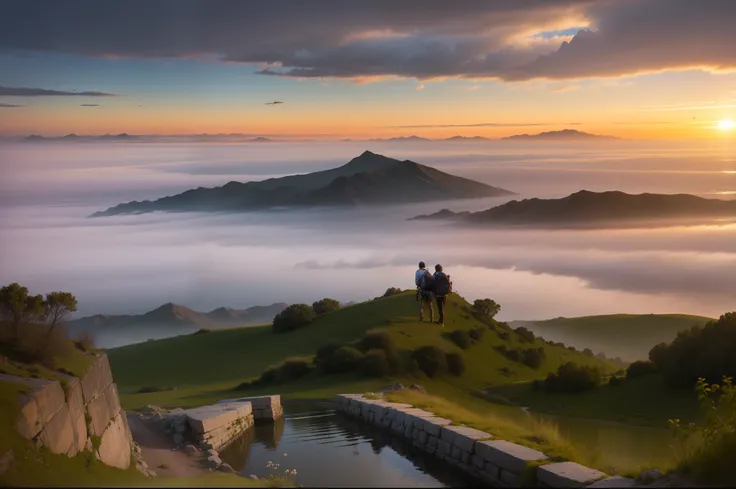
point(325, 305)
point(376, 340)
point(461, 338)
point(572, 378)
point(17, 306)
point(707, 352)
point(58, 306)
point(203, 331)
point(455, 364)
point(375, 363)
point(292, 369)
point(533, 357)
point(524, 334)
point(707, 449)
point(486, 308)
point(640, 368)
point(431, 360)
point(477, 333)
point(615, 381)
point(293, 317)
point(343, 359)
point(392, 291)
point(588, 352)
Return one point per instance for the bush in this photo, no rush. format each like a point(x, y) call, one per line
point(292, 369)
point(36, 343)
point(325, 305)
point(431, 360)
point(537, 385)
point(461, 338)
point(391, 291)
point(293, 317)
point(504, 335)
point(524, 334)
point(326, 350)
point(343, 359)
point(455, 364)
point(379, 340)
point(477, 333)
point(640, 368)
point(486, 308)
point(572, 378)
point(615, 381)
point(588, 352)
point(85, 341)
point(375, 364)
point(533, 357)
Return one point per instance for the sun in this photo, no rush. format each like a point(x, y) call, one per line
point(726, 124)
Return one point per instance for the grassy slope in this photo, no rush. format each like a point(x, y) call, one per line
point(629, 336)
point(204, 367)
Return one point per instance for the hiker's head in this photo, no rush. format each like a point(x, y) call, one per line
point(438, 268)
point(422, 264)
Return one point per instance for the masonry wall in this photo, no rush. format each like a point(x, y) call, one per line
point(499, 463)
point(77, 415)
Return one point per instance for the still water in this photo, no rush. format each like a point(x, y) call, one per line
point(329, 449)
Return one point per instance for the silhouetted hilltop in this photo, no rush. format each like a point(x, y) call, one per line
point(368, 179)
point(563, 135)
point(585, 207)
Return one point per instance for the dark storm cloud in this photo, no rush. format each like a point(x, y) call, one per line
point(42, 92)
point(419, 39)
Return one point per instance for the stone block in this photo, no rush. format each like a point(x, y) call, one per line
point(74, 397)
point(433, 425)
point(97, 379)
point(456, 453)
point(114, 447)
point(509, 456)
point(491, 472)
point(99, 410)
point(58, 434)
point(112, 399)
point(432, 441)
point(465, 457)
point(28, 424)
point(79, 426)
point(422, 437)
point(462, 436)
point(477, 461)
point(511, 479)
point(207, 418)
point(567, 474)
point(614, 482)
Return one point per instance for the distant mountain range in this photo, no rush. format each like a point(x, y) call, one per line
point(369, 179)
point(563, 135)
point(593, 208)
point(128, 137)
point(167, 320)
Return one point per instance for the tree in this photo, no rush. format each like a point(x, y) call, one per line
point(431, 360)
point(486, 307)
point(325, 305)
point(293, 317)
point(571, 378)
point(58, 307)
point(17, 306)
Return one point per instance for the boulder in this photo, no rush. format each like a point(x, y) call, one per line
point(97, 379)
point(650, 475)
point(567, 474)
point(418, 388)
point(396, 386)
point(115, 444)
point(58, 434)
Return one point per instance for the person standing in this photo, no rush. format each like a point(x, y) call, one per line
point(442, 288)
point(424, 281)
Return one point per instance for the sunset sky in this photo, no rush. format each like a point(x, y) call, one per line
point(662, 69)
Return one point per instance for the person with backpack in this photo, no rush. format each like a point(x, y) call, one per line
point(442, 288)
point(424, 282)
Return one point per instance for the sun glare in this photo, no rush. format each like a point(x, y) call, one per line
point(726, 124)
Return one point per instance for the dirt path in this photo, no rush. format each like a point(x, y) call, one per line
point(159, 451)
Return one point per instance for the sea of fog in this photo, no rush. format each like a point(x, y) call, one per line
point(131, 264)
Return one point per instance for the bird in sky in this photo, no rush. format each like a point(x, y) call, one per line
point(275, 102)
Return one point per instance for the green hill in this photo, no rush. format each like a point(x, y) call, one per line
point(203, 367)
point(628, 336)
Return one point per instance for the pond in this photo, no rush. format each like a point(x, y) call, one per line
point(329, 449)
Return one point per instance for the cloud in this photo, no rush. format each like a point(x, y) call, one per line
point(420, 86)
point(487, 124)
point(42, 92)
point(89, 105)
point(9, 106)
point(508, 40)
point(565, 88)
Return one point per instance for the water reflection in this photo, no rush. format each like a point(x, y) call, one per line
point(329, 449)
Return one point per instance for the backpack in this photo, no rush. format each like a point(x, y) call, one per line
point(426, 283)
point(442, 284)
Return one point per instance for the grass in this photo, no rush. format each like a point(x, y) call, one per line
point(628, 336)
point(645, 401)
point(203, 367)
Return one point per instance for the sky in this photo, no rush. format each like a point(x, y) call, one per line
point(642, 69)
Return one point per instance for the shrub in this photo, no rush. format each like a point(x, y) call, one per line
point(524, 334)
point(455, 364)
point(376, 340)
point(572, 378)
point(37, 343)
point(640, 368)
point(292, 369)
point(513, 355)
point(325, 305)
point(85, 341)
point(461, 338)
point(504, 335)
point(537, 385)
point(615, 381)
point(375, 364)
point(486, 308)
point(431, 360)
point(391, 291)
point(326, 350)
point(293, 317)
point(477, 333)
point(588, 352)
point(343, 359)
point(533, 357)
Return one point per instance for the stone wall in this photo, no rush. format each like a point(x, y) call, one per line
point(499, 463)
point(265, 408)
point(76, 415)
point(214, 427)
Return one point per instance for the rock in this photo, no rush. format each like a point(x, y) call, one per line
point(418, 388)
point(650, 475)
point(58, 434)
point(612, 482)
point(254, 477)
point(115, 444)
point(214, 461)
point(396, 386)
point(212, 452)
point(143, 464)
point(97, 379)
point(178, 438)
point(226, 468)
point(190, 449)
